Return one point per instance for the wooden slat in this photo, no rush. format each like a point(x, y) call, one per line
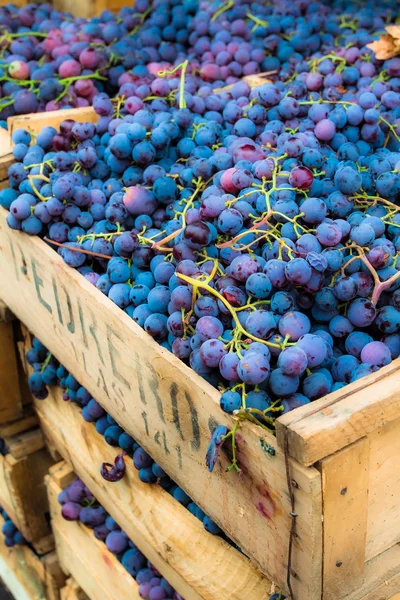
point(28, 576)
point(9, 430)
point(22, 495)
point(23, 444)
point(345, 500)
point(384, 489)
point(98, 572)
point(327, 425)
point(167, 407)
point(72, 591)
point(160, 526)
point(35, 122)
point(381, 577)
point(10, 396)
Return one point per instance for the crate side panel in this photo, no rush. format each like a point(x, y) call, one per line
point(381, 577)
point(10, 396)
point(384, 489)
point(345, 501)
point(167, 407)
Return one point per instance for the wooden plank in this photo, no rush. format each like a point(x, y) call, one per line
point(20, 570)
point(167, 407)
point(9, 430)
point(98, 572)
point(381, 577)
point(10, 396)
point(72, 591)
point(384, 489)
point(345, 500)
point(159, 525)
point(327, 425)
point(26, 443)
point(36, 121)
point(22, 495)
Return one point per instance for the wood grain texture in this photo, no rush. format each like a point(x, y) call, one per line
point(28, 576)
point(345, 501)
point(36, 121)
point(327, 425)
point(381, 577)
point(10, 396)
point(160, 526)
point(167, 407)
point(73, 591)
point(23, 495)
point(384, 489)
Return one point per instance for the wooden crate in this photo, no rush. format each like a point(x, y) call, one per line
point(90, 8)
point(72, 591)
point(29, 576)
point(156, 522)
point(341, 449)
point(22, 489)
point(11, 400)
point(96, 570)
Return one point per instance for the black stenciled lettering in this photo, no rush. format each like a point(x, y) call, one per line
point(71, 321)
point(118, 397)
point(100, 380)
point(144, 415)
point(93, 333)
point(14, 259)
point(195, 443)
point(84, 361)
point(57, 299)
point(166, 449)
point(38, 281)
point(82, 322)
point(24, 267)
point(153, 385)
point(212, 424)
point(157, 437)
point(173, 390)
point(114, 355)
point(179, 453)
point(142, 395)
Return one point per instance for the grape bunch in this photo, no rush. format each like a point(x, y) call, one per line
point(49, 372)
point(79, 504)
point(12, 536)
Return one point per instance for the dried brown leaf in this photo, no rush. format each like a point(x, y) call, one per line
point(394, 31)
point(384, 48)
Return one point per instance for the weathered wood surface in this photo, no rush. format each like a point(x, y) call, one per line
point(167, 407)
point(327, 425)
point(156, 523)
point(345, 501)
point(72, 591)
point(28, 576)
point(22, 490)
point(10, 395)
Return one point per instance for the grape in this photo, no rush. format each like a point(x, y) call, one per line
point(376, 353)
point(293, 361)
point(253, 368)
point(293, 325)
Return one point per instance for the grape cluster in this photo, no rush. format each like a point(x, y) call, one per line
point(79, 504)
point(12, 536)
point(48, 372)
